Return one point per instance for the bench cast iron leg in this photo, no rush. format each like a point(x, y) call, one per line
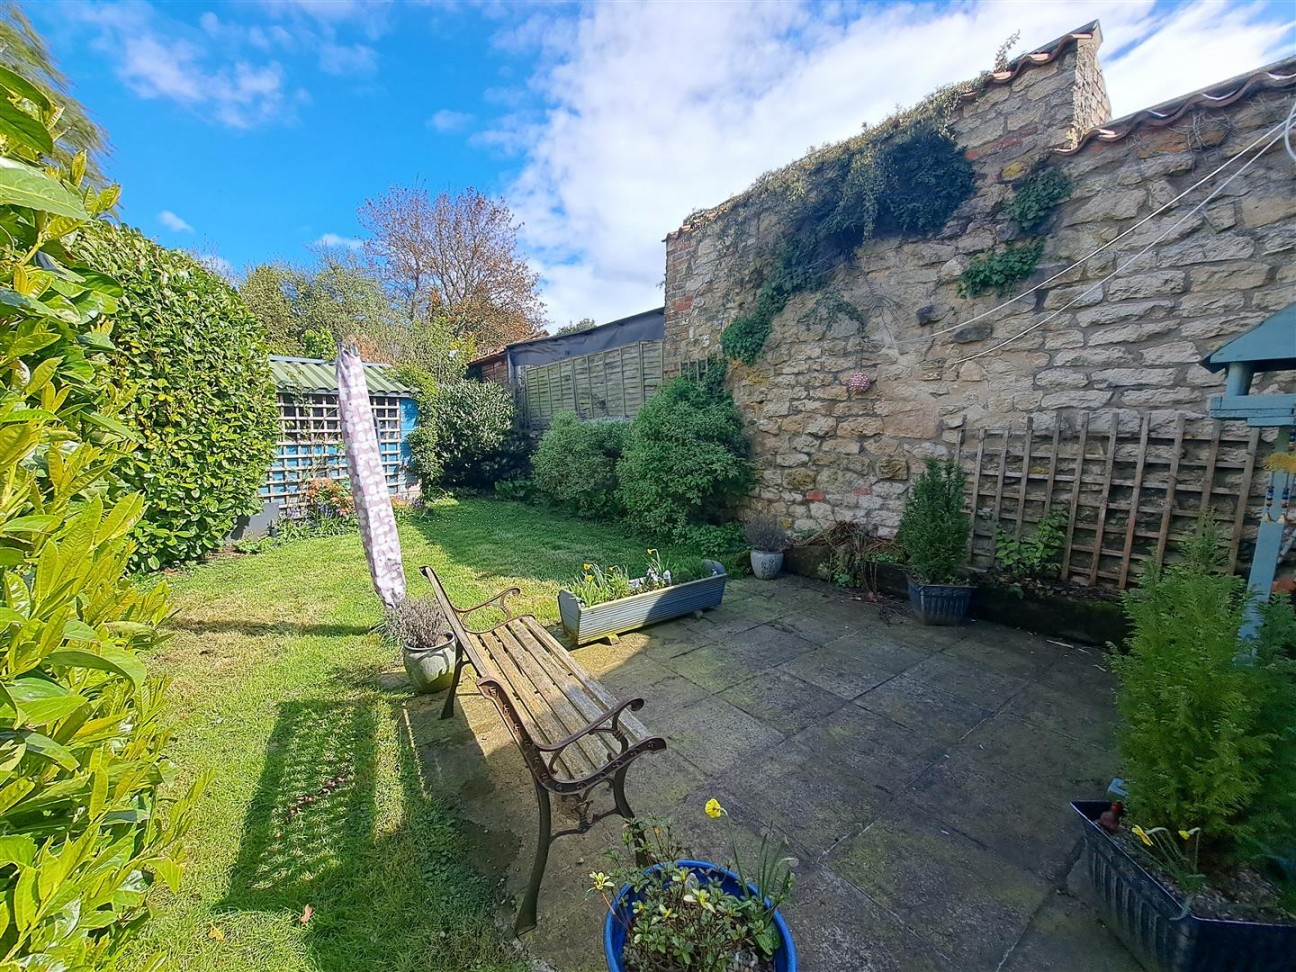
point(526, 919)
point(448, 709)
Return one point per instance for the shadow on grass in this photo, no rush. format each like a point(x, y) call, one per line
point(402, 899)
point(256, 629)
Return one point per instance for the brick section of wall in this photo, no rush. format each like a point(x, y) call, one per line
point(826, 451)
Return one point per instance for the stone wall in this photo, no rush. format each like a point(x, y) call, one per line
point(1117, 349)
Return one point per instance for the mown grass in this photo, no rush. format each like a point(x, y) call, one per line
point(284, 695)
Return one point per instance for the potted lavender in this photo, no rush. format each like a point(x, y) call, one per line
point(767, 539)
point(418, 625)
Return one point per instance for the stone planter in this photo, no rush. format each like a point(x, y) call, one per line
point(617, 923)
point(940, 603)
point(607, 620)
point(766, 563)
point(1155, 926)
point(430, 669)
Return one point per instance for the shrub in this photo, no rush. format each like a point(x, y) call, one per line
point(1034, 555)
point(87, 830)
point(193, 359)
point(999, 269)
point(466, 436)
point(575, 464)
point(1206, 737)
point(934, 528)
point(765, 533)
point(685, 460)
point(1036, 197)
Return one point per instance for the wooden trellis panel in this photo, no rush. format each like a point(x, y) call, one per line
point(1131, 494)
point(609, 384)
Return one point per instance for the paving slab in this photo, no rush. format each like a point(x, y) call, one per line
point(917, 777)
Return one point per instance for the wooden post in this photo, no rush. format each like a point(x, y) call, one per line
point(1075, 495)
point(1134, 505)
point(976, 492)
point(1172, 492)
point(1025, 475)
point(1243, 498)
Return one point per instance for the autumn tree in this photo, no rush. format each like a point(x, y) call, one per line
point(455, 258)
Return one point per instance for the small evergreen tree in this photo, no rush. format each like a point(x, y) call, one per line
point(935, 526)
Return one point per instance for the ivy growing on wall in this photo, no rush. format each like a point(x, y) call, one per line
point(904, 177)
point(1034, 201)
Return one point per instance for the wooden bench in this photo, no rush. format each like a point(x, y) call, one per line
point(574, 734)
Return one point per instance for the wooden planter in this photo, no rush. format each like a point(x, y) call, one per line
point(586, 624)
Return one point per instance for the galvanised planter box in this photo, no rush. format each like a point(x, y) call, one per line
point(586, 624)
point(1153, 924)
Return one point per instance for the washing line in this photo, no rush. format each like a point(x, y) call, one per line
point(1286, 125)
point(1124, 266)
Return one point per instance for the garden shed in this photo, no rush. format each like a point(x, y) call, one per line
point(607, 371)
point(309, 445)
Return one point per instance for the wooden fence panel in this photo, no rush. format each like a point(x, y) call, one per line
point(1131, 493)
point(609, 384)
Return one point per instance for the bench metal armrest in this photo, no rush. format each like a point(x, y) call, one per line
point(499, 601)
point(609, 723)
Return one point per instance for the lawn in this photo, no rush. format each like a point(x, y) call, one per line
point(318, 845)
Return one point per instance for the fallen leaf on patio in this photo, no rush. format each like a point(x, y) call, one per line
point(306, 914)
point(216, 933)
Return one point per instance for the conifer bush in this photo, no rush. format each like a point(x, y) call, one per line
point(1208, 721)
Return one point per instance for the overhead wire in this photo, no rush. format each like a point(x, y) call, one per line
point(1143, 252)
point(1287, 125)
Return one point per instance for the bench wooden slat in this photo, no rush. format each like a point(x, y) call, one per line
point(591, 693)
point(542, 722)
point(555, 710)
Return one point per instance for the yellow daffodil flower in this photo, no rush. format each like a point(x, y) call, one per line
point(1141, 834)
point(1185, 835)
point(713, 809)
point(586, 566)
point(589, 577)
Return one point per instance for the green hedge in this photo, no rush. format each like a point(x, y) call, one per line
point(88, 824)
point(466, 437)
point(194, 360)
point(575, 465)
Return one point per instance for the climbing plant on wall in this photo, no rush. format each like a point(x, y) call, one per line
point(1035, 199)
point(904, 177)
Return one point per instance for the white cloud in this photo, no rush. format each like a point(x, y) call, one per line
point(446, 120)
point(333, 240)
point(173, 222)
point(639, 127)
point(157, 64)
point(216, 264)
point(347, 60)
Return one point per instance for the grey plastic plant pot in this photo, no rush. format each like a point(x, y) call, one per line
point(586, 624)
point(1154, 925)
point(766, 563)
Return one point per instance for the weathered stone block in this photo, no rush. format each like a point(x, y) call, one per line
point(1155, 284)
point(1222, 215)
point(1131, 333)
point(1085, 295)
point(1176, 352)
point(893, 467)
point(788, 459)
point(1134, 378)
point(820, 425)
point(1193, 305)
point(1076, 399)
point(1113, 204)
point(1210, 249)
point(1129, 310)
point(1062, 378)
point(1230, 277)
point(1261, 208)
point(973, 333)
point(861, 425)
point(1160, 396)
point(843, 445)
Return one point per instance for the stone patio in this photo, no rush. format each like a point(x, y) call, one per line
point(920, 776)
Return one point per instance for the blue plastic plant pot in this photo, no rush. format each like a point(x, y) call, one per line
point(614, 927)
point(1153, 924)
point(940, 603)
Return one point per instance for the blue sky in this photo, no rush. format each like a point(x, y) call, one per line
point(248, 130)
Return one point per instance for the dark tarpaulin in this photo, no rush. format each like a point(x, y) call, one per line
point(648, 326)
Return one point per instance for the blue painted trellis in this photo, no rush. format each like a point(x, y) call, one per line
point(1270, 346)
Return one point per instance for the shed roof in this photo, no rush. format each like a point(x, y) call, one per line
point(645, 326)
point(1271, 345)
point(318, 375)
